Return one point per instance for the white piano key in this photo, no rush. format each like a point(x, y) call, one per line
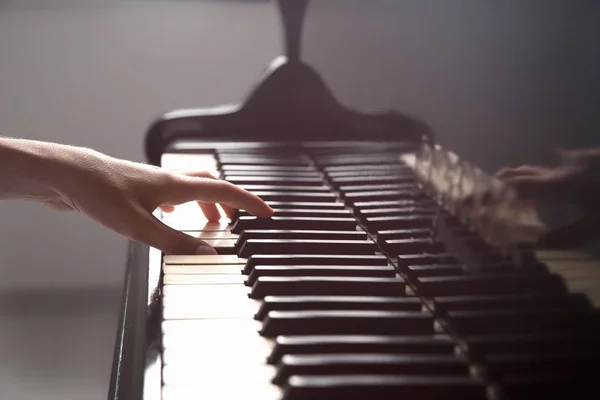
point(175, 308)
point(194, 292)
point(204, 260)
point(210, 331)
point(225, 243)
point(257, 347)
point(224, 390)
point(189, 269)
point(204, 235)
point(204, 279)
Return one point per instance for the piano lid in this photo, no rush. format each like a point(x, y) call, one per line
point(289, 102)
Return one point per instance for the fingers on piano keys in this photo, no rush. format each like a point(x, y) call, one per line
point(349, 295)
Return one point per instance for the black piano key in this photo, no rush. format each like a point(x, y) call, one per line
point(356, 160)
point(297, 196)
point(312, 259)
point(300, 234)
point(549, 386)
point(314, 205)
point(377, 187)
point(306, 246)
point(393, 364)
point(375, 224)
point(327, 286)
point(386, 344)
point(293, 223)
point(320, 270)
point(276, 187)
point(306, 303)
point(422, 202)
point(394, 211)
point(231, 168)
point(303, 212)
point(347, 323)
point(389, 167)
point(487, 284)
point(360, 387)
point(405, 260)
point(287, 161)
point(571, 342)
point(566, 301)
point(271, 174)
point(382, 195)
point(404, 234)
point(371, 170)
point(264, 180)
point(410, 246)
point(416, 271)
point(522, 321)
point(556, 362)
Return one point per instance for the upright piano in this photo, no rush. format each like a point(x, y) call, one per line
point(369, 282)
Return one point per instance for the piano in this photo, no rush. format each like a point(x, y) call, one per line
point(368, 282)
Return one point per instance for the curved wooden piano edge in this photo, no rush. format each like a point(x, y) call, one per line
point(133, 339)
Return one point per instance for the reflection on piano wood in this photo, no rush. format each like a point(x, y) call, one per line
point(351, 290)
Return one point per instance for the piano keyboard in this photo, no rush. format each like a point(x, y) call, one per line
point(345, 294)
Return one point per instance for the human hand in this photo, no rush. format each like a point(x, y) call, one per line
point(576, 180)
point(122, 195)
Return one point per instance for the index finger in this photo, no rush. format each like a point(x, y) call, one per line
point(223, 192)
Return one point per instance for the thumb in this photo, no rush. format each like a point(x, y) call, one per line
point(149, 230)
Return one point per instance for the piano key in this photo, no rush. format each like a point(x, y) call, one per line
point(355, 387)
point(315, 205)
point(222, 246)
point(203, 279)
point(404, 234)
point(571, 342)
point(292, 161)
point(198, 306)
point(303, 212)
point(370, 170)
point(189, 269)
point(416, 271)
point(306, 246)
point(411, 246)
point(293, 223)
point(377, 180)
point(320, 270)
point(548, 386)
point(277, 187)
point(271, 174)
point(300, 234)
point(326, 286)
point(566, 301)
point(203, 260)
point(296, 196)
point(231, 168)
point(312, 259)
point(375, 224)
point(300, 303)
point(386, 344)
point(522, 321)
point(487, 284)
point(405, 260)
point(342, 364)
point(377, 187)
point(357, 160)
point(347, 322)
point(556, 362)
point(263, 180)
point(381, 195)
point(394, 211)
point(392, 168)
point(212, 235)
point(409, 202)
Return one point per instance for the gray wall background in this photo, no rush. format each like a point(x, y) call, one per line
point(503, 82)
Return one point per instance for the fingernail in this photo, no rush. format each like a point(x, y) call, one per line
point(205, 251)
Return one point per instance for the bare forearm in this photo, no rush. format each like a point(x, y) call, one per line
point(28, 169)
